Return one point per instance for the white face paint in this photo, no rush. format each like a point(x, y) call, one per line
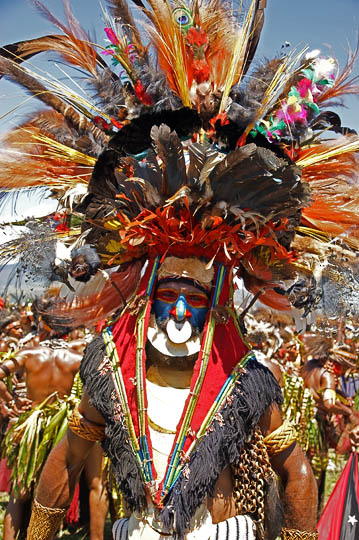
point(178, 335)
point(161, 341)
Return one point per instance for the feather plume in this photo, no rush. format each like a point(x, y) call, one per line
point(75, 48)
point(343, 84)
point(332, 171)
point(170, 46)
point(54, 125)
point(287, 69)
point(75, 53)
point(121, 11)
point(20, 76)
point(169, 149)
point(32, 158)
point(235, 67)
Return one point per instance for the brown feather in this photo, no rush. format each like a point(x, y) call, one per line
point(120, 10)
point(20, 76)
point(257, 26)
point(169, 148)
point(63, 45)
point(75, 47)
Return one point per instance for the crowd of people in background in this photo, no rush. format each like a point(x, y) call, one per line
point(40, 386)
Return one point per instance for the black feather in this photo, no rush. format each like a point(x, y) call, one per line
point(256, 179)
point(198, 155)
point(169, 148)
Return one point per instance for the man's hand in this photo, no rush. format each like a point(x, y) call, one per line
point(5, 412)
point(21, 405)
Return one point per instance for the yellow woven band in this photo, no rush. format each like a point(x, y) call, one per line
point(84, 428)
point(44, 522)
point(281, 438)
point(294, 534)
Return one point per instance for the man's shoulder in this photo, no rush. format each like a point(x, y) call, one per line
point(259, 379)
point(92, 357)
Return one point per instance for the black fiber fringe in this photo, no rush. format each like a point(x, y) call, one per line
point(256, 390)
point(116, 445)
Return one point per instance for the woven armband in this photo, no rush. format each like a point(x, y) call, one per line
point(44, 522)
point(84, 428)
point(281, 438)
point(294, 534)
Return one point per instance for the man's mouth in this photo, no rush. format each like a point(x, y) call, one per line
point(179, 331)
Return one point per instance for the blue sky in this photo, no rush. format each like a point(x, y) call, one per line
point(323, 24)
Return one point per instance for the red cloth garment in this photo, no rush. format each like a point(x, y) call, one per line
point(227, 350)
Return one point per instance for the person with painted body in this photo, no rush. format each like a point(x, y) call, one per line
point(207, 499)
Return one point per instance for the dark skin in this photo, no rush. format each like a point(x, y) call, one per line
point(48, 371)
point(10, 336)
point(275, 369)
point(300, 492)
point(323, 386)
point(354, 438)
point(317, 378)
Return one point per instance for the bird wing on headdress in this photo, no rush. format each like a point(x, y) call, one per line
point(273, 188)
point(331, 171)
point(37, 154)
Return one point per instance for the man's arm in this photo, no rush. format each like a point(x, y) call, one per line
point(59, 477)
point(329, 396)
point(295, 472)
point(8, 367)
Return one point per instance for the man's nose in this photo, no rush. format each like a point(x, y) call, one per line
point(179, 310)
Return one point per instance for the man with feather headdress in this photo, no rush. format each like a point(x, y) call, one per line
point(188, 176)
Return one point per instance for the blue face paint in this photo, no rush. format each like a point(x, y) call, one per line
point(179, 310)
point(169, 303)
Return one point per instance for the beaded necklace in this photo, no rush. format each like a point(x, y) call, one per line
point(140, 444)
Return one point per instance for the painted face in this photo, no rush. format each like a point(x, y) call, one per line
point(14, 329)
point(181, 301)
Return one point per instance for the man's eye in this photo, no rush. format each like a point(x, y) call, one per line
point(169, 296)
point(197, 299)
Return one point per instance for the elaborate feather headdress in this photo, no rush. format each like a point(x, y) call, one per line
point(178, 154)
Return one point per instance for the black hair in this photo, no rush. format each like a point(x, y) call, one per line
point(8, 317)
point(47, 310)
